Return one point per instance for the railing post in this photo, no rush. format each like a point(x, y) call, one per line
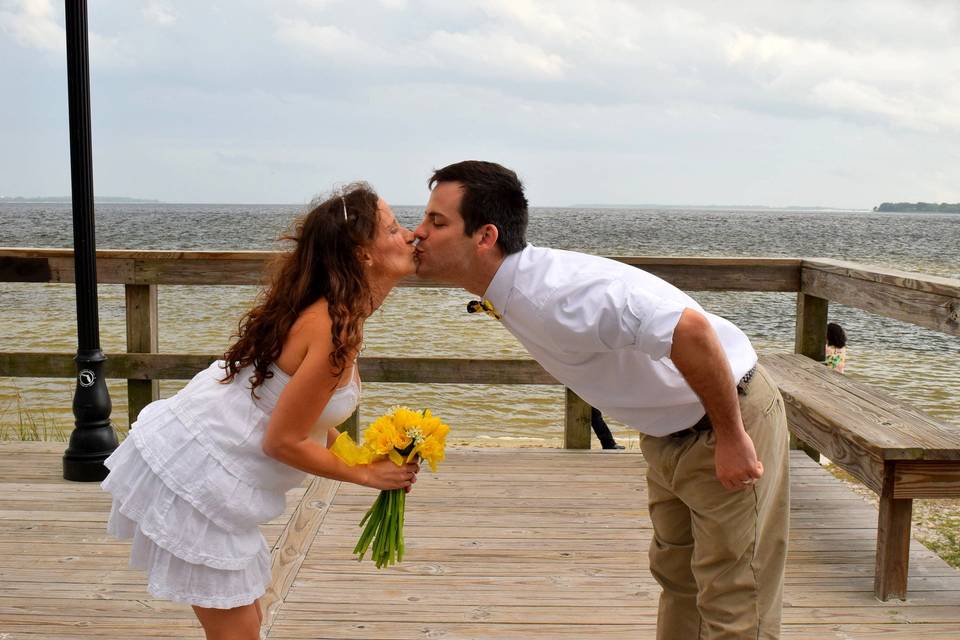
point(352, 425)
point(811, 338)
point(576, 423)
point(811, 341)
point(142, 337)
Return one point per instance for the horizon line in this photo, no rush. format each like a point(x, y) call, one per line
point(577, 205)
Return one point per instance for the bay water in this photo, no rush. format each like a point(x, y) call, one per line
point(914, 364)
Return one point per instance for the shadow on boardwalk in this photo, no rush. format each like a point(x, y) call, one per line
point(502, 543)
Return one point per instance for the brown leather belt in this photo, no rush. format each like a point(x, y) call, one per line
point(703, 424)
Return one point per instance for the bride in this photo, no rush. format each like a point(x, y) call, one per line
point(199, 471)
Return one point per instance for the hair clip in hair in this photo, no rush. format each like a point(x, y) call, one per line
point(344, 201)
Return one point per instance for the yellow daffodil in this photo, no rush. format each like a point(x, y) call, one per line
point(401, 435)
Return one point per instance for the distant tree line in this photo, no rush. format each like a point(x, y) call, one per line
point(943, 207)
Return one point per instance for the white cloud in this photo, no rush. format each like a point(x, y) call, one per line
point(110, 52)
point(159, 13)
point(496, 54)
point(326, 39)
point(317, 4)
point(744, 89)
point(33, 25)
point(909, 88)
point(910, 111)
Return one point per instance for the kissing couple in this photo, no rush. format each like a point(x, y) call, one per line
point(201, 470)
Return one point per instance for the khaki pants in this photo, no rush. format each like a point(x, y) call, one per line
point(719, 555)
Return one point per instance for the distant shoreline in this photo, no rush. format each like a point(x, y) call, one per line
point(917, 207)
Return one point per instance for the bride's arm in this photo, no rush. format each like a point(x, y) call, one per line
point(287, 438)
point(332, 435)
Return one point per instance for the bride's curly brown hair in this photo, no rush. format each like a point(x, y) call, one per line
point(323, 263)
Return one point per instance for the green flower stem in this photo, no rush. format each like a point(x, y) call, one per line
point(372, 520)
point(403, 509)
point(383, 529)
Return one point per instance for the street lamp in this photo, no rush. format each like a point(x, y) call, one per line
point(93, 438)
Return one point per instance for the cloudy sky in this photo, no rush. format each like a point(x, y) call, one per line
point(841, 103)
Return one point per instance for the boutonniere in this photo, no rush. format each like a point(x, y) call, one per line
point(476, 306)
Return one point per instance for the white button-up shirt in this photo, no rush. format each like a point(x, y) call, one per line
point(605, 330)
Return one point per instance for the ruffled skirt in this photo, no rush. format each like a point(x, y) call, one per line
point(188, 557)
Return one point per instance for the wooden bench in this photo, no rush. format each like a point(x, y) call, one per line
point(899, 452)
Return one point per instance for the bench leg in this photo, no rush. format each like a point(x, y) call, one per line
point(797, 444)
point(893, 541)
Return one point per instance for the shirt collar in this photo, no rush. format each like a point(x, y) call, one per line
point(498, 291)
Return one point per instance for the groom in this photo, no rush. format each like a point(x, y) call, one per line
point(712, 422)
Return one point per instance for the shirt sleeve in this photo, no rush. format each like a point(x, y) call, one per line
point(611, 315)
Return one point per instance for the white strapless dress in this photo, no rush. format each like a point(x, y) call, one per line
point(190, 484)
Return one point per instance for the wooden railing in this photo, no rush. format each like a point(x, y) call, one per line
point(928, 301)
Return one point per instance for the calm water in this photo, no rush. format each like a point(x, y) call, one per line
point(915, 364)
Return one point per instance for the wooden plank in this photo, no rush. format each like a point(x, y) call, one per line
point(291, 548)
point(576, 423)
point(723, 274)
point(947, 287)
point(811, 330)
point(248, 268)
point(813, 424)
point(559, 554)
point(152, 267)
point(848, 411)
point(129, 366)
point(187, 270)
point(893, 541)
point(142, 337)
point(926, 479)
point(479, 630)
point(183, 366)
point(924, 300)
point(454, 370)
point(810, 340)
point(109, 270)
point(24, 269)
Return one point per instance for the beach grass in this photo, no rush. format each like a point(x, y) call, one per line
point(30, 425)
point(35, 425)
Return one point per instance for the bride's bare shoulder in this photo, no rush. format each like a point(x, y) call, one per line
point(313, 327)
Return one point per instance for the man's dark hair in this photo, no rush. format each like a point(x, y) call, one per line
point(492, 194)
point(836, 336)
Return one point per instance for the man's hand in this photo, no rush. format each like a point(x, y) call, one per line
point(701, 360)
point(736, 460)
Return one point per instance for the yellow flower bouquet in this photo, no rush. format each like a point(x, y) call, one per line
point(402, 435)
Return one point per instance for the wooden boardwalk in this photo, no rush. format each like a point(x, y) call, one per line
point(502, 543)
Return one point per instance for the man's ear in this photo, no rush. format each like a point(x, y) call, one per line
point(487, 236)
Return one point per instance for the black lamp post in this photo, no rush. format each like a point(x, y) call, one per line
point(93, 438)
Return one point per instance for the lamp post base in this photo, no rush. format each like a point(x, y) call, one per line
point(93, 438)
point(85, 467)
